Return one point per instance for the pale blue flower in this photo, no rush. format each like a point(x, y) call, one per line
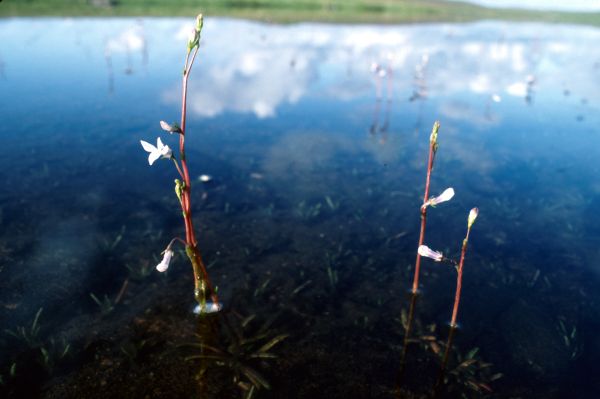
point(427, 252)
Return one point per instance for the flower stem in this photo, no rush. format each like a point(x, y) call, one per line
point(461, 263)
point(202, 284)
point(437, 389)
point(432, 150)
point(406, 341)
point(177, 167)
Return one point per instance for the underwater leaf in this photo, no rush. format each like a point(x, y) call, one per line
point(248, 319)
point(257, 337)
point(255, 378)
point(472, 353)
point(250, 393)
point(467, 363)
point(34, 325)
point(65, 351)
point(300, 287)
point(263, 356)
point(496, 376)
point(211, 348)
point(272, 342)
point(404, 319)
point(205, 357)
point(486, 387)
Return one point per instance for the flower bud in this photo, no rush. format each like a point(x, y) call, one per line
point(199, 23)
point(434, 133)
point(472, 216)
point(193, 39)
point(173, 128)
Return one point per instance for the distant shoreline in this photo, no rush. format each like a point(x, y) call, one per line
point(290, 11)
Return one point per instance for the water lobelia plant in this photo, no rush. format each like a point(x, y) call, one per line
point(427, 202)
point(433, 201)
point(203, 288)
point(439, 257)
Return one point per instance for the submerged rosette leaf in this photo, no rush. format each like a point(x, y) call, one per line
point(427, 252)
point(160, 151)
point(209, 307)
point(472, 216)
point(164, 263)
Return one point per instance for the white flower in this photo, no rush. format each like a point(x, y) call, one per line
point(164, 263)
point(443, 197)
point(159, 151)
point(472, 216)
point(427, 252)
point(209, 307)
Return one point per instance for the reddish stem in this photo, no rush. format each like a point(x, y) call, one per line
point(432, 149)
point(200, 272)
point(459, 280)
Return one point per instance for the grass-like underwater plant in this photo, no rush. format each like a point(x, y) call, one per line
point(29, 335)
point(51, 352)
point(241, 352)
point(203, 289)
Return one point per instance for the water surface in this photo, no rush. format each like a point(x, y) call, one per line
point(316, 140)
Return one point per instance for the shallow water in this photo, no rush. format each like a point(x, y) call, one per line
point(310, 222)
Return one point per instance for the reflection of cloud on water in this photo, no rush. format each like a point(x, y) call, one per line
point(254, 81)
point(252, 68)
point(479, 116)
point(128, 41)
point(2, 67)
point(303, 155)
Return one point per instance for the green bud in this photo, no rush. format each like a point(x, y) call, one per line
point(179, 188)
point(199, 23)
point(193, 40)
point(434, 134)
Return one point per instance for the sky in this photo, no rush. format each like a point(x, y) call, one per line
point(560, 5)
